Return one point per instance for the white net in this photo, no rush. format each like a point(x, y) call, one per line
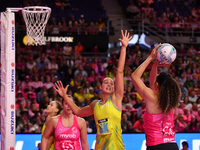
point(36, 18)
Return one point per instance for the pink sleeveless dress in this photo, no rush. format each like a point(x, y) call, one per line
point(159, 128)
point(67, 138)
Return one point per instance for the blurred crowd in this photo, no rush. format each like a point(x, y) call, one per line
point(177, 17)
point(69, 17)
point(39, 67)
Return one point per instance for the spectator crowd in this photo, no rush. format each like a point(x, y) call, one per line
point(38, 68)
point(69, 17)
point(176, 17)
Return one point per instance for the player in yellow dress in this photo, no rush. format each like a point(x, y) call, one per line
point(107, 111)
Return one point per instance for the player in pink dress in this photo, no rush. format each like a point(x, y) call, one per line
point(70, 131)
point(161, 100)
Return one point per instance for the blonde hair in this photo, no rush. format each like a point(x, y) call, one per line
point(107, 78)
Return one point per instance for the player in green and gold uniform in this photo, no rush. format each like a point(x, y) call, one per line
point(108, 122)
point(107, 111)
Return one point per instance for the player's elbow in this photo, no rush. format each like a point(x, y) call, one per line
point(44, 139)
point(132, 74)
point(120, 71)
point(133, 77)
point(79, 112)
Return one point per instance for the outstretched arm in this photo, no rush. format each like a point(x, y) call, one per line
point(81, 112)
point(119, 81)
point(141, 88)
point(154, 72)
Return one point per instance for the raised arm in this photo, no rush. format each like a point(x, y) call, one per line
point(141, 88)
point(81, 112)
point(153, 74)
point(119, 81)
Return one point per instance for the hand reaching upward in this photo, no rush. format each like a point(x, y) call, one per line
point(125, 38)
point(154, 52)
point(60, 89)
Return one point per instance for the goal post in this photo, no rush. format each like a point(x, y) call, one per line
point(7, 101)
point(36, 18)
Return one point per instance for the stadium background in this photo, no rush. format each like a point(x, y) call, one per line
point(151, 22)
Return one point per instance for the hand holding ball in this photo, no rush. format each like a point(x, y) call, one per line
point(166, 53)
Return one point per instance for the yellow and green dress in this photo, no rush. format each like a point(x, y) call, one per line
point(108, 122)
point(43, 128)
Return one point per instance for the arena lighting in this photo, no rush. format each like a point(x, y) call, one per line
point(110, 45)
point(140, 39)
point(133, 41)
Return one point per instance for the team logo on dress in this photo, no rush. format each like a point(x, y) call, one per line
point(102, 120)
point(168, 117)
point(107, 104)
point(74, 130)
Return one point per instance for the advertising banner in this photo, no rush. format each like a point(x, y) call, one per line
point(133, 141)
point(87, 41)
point(7, 81)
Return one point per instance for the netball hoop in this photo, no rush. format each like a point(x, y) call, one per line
point(36, 18)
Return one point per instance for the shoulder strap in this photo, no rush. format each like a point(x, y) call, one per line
point(75, 120)
point(60, 118)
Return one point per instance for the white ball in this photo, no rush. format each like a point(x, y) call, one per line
point(166, 54)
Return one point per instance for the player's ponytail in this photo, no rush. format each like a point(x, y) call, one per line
point(59, 107)
point(169, 92)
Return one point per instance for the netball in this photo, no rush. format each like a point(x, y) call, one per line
point(166, 54)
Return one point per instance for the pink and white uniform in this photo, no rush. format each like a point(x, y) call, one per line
point(159, 128)
point(67, 138)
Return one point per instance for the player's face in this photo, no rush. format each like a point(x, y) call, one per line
point(108, 85)
point(66, 107)
point(52, 108)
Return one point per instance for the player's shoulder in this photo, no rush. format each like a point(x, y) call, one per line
point(80, 119)
point(54, 118)
point(81, 122)
point(92, 104)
